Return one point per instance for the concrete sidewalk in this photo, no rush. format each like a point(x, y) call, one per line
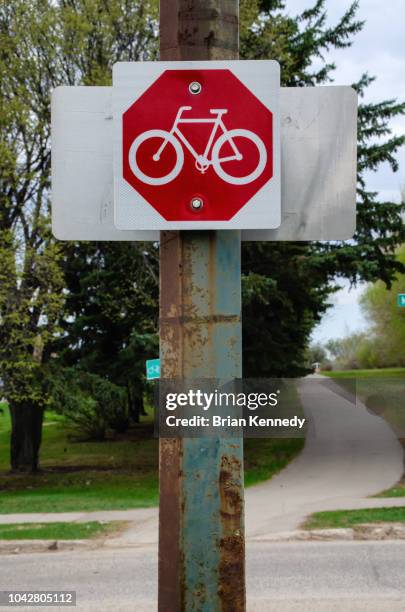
point(138, 515)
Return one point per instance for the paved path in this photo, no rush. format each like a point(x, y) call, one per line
point(293, 577)
point(349, 454)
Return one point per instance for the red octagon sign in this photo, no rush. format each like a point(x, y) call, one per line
point(197, 145)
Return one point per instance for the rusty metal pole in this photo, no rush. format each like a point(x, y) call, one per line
point(201, 519)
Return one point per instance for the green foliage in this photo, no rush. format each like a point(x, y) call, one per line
point(56, 531)
point(281, 303)
point(95, 306)
point(387, 320)
point(94, 34)
point(367, 356)
point(286, 285)
point(44, 44)
point(351, 518)
point(379, 373)
point(397, 491)
point(30, 302)
point(81, 475)
point(266, 457)
point(110, 316)
point(31, 282)
point(345, 351)
point(295, 41)
point(90, 403)
point(383, 346)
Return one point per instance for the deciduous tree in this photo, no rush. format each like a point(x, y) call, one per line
point(43, 44)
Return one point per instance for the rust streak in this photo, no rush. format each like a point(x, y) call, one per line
point(232, 547)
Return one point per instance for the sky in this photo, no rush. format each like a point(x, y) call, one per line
point(379, 50)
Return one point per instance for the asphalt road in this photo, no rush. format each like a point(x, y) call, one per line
point(287, 577)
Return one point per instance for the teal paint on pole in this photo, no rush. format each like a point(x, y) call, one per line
point(201, 559)
point(401, 300)
point(212, 467)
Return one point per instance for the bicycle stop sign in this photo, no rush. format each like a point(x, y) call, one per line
point(196, 145)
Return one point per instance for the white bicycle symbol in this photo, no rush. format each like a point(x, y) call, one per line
point(204, 161)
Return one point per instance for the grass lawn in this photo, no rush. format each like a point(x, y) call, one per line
point(349, 518)
point(109, 475)
point(264, 457)
point(397, 491)
point(112, 475)
point(58, 531)
point(381, 391)
point(366, 373)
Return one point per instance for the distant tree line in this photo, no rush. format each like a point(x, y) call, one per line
point(382, 345)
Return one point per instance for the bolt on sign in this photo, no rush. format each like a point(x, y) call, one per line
point(197, 145)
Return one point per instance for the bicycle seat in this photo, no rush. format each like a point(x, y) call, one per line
point(218, 111)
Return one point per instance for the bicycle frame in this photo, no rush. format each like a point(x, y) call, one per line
point(217, 124)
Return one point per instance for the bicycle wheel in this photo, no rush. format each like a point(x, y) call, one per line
point(164, 136)
point(226, 137)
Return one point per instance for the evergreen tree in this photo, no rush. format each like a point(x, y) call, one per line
point(286, 284)
point(111, 313)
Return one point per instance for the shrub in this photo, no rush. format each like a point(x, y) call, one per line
point(90, 403)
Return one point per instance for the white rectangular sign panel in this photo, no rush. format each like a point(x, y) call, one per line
point(197, 145)
point(318, 166)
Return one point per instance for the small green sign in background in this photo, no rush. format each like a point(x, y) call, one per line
point(401, 300)
point(152, 369)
